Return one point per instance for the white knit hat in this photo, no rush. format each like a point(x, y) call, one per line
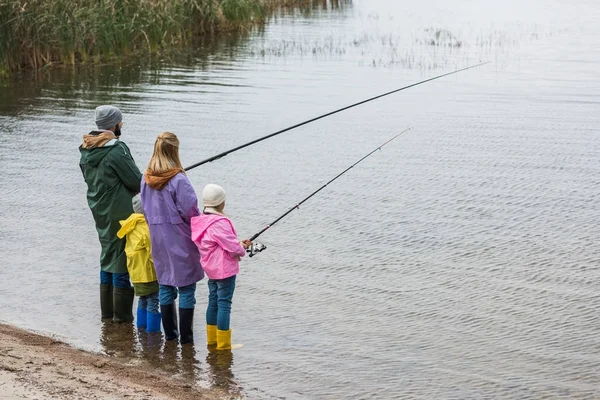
point(213, 195)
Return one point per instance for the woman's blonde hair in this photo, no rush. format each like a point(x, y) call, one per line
point(166, 153)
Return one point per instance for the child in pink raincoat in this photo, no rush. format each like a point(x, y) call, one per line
point(220, 252)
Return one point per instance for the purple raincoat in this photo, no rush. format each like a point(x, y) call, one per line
point(168, 213)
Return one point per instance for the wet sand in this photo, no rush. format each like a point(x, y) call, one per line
point(33, 366)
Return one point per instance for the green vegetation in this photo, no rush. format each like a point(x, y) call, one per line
point(39, 33)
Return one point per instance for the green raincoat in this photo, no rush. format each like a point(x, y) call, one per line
point(112, 179)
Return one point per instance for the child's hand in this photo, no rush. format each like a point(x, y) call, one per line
point(246, 243)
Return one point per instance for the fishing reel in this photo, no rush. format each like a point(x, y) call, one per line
point(255, 249)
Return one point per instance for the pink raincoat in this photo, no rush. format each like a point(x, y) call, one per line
point(218, 245)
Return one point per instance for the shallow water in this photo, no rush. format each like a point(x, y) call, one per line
point(459, 262)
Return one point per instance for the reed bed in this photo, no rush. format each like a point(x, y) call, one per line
point(39, 33)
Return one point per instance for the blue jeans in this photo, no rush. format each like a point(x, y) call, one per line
point(149, 303)
point(120, 281)
point(168, 294)
point(220, 293)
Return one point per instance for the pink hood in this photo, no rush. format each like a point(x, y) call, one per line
point(218, 245)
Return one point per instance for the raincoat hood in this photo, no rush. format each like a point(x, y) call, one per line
point(97, 139)
point(201, 223)
point(129, 224)
point(93, 155)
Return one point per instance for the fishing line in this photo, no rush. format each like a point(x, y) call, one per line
point(258, 247)
point(223, 154)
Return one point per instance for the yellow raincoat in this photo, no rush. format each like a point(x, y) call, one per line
point(138, 250)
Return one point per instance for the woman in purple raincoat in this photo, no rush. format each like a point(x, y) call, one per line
point(169, 202)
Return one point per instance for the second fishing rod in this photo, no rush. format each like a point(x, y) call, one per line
point(258, 247)
point(223, 154)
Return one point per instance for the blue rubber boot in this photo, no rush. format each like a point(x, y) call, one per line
point(153, 322)
point(141, 320)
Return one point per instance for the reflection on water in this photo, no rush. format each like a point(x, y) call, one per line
point(119, 340)
point(150, 346)
point(220, 373)
point(83, 86)
point(184, 362)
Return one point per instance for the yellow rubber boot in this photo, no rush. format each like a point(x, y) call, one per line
point(211, 335)
point(223, 340)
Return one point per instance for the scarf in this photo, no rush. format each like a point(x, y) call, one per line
point(158, 180)
point(92, 141)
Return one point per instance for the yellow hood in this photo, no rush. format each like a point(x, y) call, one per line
point(138, 248)
point(129, 224)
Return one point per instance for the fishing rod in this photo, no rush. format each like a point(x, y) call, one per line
point(258, 247)
point(223, 154)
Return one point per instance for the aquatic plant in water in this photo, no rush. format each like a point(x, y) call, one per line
point(38, 33)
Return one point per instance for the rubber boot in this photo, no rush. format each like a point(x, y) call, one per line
point(186, 322)
point(141, 319)
point(153, 322)
point(169, 321)
point(211, 335)
point(106, 301)
point(123, 304)
point(223, 339)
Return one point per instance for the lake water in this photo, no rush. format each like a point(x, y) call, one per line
point(461, 261)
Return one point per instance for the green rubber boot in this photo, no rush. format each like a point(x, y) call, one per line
point(186, 322)
point(106, 301)
point(123, 304)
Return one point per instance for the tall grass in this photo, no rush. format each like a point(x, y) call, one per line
point(38, 33)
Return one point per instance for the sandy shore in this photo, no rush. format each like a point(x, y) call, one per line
point(39, 367)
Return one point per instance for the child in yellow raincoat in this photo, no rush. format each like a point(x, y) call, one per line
point(141, 267)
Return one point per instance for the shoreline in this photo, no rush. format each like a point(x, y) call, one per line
point(34, 366)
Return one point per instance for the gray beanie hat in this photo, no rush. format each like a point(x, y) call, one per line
point(136, 202)
point(108, 116)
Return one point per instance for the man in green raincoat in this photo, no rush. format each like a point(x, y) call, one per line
point(112, 179)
